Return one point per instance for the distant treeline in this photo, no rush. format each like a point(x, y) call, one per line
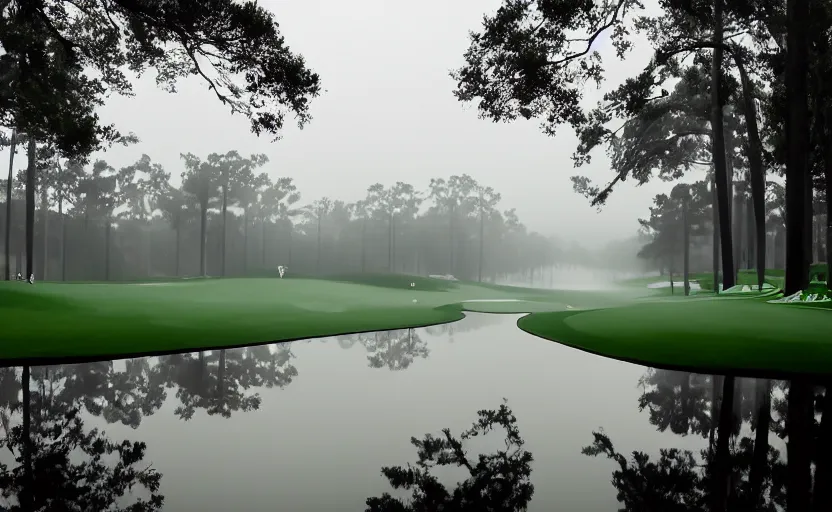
point(99, 223)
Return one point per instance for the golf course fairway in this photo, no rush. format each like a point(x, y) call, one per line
point(77, 321)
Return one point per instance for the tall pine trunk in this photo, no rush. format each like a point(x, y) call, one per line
point(27, 493)
point(760, 457)
point(263, 249)
point(44, 214)
point(828, 179)
point(797, 138)
point(107, 231)
point(63, 237)
point(390, 244)
point(715, 241)
point(737, 225)
point(482, 238)
point(30, 208)
point(245, 242)
point(224, 228)
point(718, 141)
point(451, 260)
point(799, 426)
point(8, 245)
point(722, 465)
point(364, 245)
point(318, 257)
point(203, 221)
point(822, 496)
point(686, 235)
point(756, 171)
point(750, 235)
point(178, 229)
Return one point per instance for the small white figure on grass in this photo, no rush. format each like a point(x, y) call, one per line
point(414, 300)
point(413, 285)
point(281, 270)
point(31, 278)
point(19, 276)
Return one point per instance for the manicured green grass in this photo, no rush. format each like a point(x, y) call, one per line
point(54, 320)
point(709, 335)
point(51, 321)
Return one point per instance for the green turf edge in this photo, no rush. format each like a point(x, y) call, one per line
point(742, 337)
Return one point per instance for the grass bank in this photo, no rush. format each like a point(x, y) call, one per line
point(83, 320)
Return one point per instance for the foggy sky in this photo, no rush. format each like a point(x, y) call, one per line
point(387, 114)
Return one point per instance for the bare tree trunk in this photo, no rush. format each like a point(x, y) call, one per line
point(30, 208)
point(718, 141)
point(8, 246)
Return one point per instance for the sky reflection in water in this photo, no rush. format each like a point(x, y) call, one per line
point(309, 425)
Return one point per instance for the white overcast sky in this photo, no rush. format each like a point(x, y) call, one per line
point(387, 114)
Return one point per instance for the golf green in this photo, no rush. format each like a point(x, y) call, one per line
point(85, 320)
point(747, 335)
point(54, 321)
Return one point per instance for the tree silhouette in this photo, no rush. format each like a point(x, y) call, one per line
point(117, 396)
point(61, 62)
point(63, 466)
point(751, 474)
point(678, 401)
point(495, 482)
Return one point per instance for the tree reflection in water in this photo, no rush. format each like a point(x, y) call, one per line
point(60, 465)
point(395, 350)
point(218, 382)
point(742, 472)
point(497, 481)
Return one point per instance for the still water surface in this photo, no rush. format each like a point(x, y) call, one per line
point(309, 425)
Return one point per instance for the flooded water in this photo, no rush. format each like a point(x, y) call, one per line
point(309, 425)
